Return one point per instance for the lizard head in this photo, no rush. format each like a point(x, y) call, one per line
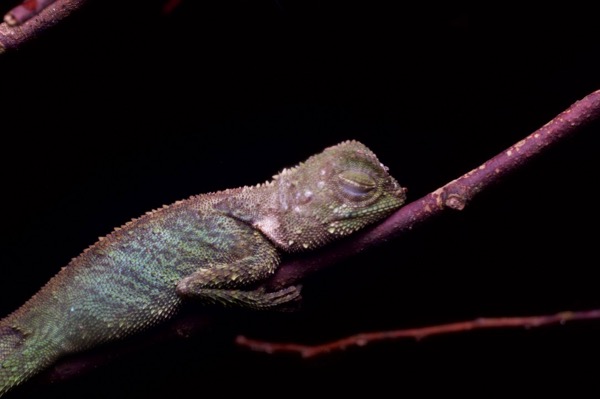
point(330, 195)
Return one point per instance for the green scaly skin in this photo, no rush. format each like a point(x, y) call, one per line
point(212, 247)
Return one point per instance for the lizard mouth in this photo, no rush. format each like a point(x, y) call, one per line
point(401, 193)
point(366, 214)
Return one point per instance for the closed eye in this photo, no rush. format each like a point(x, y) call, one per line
point(356, 185)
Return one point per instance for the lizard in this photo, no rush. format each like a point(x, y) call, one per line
point(214, 248)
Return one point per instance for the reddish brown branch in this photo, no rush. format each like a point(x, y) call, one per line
point(454, 195)
point(33, 20)
point(417, 333)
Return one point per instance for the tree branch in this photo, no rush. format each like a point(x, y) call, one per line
point(12, 34)
point(454, 195)
point(417, 333)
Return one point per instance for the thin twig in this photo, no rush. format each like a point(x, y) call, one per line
point(417, 333)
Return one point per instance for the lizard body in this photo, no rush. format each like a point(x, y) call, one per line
point(215, 247)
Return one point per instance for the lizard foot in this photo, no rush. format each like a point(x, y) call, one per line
point(255, 299)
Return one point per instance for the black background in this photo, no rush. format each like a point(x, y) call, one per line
point(122, 109)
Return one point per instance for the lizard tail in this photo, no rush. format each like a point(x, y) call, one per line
point(21, 356)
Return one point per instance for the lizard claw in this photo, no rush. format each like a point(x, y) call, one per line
point(286, 299)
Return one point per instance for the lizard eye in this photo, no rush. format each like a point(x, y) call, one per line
point(356, 185)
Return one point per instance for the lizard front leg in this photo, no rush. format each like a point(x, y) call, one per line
point(253, 261)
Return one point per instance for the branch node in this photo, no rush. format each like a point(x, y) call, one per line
point(10, 20)
point(456, 202)
point(566, 316)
